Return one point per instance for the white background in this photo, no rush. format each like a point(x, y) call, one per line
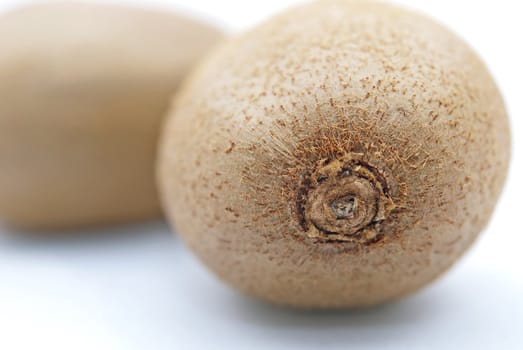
point(139, 288)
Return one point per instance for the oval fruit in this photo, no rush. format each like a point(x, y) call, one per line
point(343, 154)
point(83, 91)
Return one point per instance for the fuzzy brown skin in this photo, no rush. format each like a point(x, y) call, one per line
point(340, 155)
point(83, 91)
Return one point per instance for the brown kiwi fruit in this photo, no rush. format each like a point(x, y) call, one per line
point(342, 154)
point(83, 91)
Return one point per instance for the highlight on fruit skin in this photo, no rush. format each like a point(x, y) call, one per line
point(83, 91)
point(342, 154)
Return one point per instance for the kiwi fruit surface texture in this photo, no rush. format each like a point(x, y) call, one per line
point(83, 91)
point(342, 154)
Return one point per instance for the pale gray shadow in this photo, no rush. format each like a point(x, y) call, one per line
point(107, 240)
point(415, 309)
point(442, 313)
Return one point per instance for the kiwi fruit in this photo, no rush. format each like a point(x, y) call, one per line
point(83, 91)
point(342, 154)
